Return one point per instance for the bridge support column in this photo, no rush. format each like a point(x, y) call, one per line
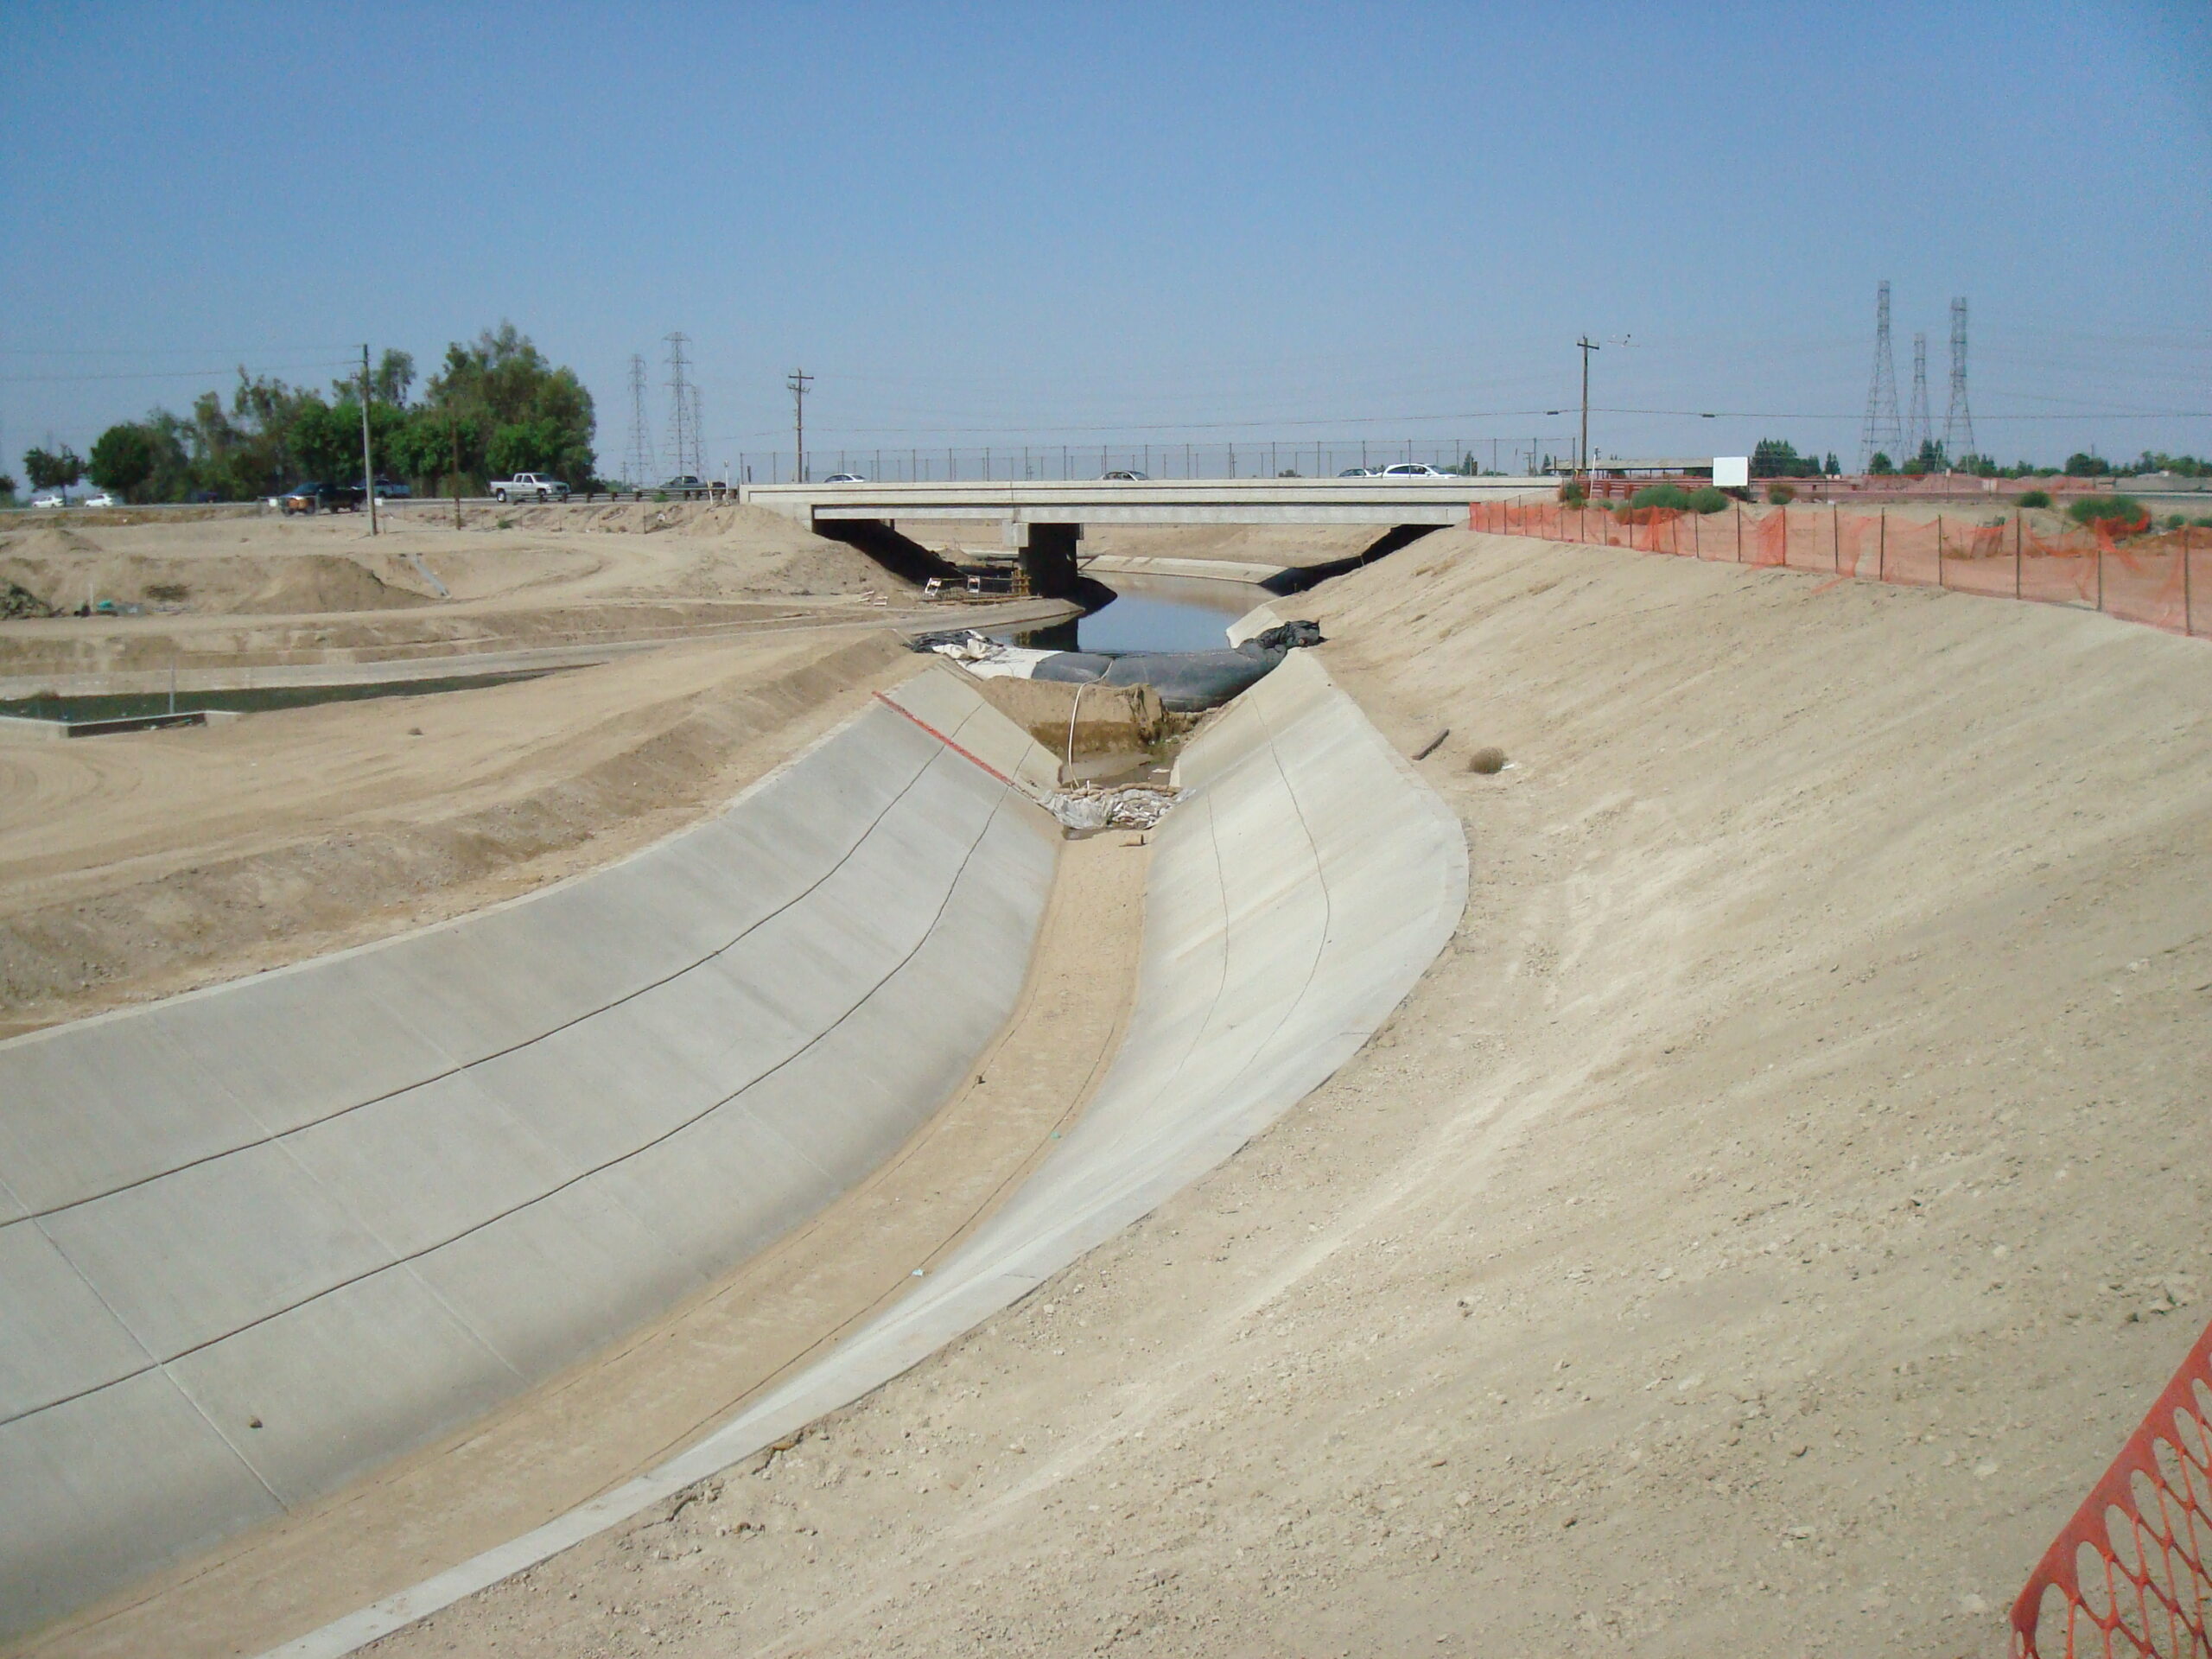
point(1047, 556)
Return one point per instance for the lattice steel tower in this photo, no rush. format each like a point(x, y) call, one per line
point(1958, 420)
point(1881, 431)
point(1919, 426)
point(638, 463)
point(683, 412)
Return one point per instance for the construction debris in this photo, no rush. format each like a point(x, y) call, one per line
point(1099, 806)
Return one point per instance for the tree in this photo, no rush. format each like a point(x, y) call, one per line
point(123, 460)
point(58, 470)
point(1772, 458)
point(2080, 465)
point(504, 380)
point(1834, 468)
point(1931, 458)
point(1880, 465)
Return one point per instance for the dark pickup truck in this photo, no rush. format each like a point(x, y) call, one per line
point(322, 498)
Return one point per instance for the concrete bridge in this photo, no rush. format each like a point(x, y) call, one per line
point(1044, 519)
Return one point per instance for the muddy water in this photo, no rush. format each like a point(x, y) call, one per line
point(1152, 614)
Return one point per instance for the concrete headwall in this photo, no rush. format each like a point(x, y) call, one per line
point(257, 1240)
point(1294, 899)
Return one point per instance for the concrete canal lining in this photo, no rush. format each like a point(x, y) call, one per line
point(1294, 899)
point(257, 1240)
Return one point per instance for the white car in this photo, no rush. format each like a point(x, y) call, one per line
point(103, 499)
point(50, 500)
point(1355, 472)
point(844, 478)
point(1413, 469)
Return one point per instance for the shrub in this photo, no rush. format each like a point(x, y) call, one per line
point(1708, 499)
point(2175, 521)
point(2202, 523)
point(2120, 514)
point(1489, 760)
point(1573, 493)
point(1661, 495)
point(2035, 498)
point(1781, 494)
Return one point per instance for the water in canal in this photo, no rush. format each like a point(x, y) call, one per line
point(1151, 613)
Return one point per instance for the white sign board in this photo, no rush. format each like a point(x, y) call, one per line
point(1731, 472)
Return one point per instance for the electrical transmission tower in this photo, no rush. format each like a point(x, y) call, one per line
point(683, 412)
point(638, 465)
point(1919, 428)
point(1881, 431)
point(1958, 420)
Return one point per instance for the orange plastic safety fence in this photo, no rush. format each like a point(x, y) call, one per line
point(2127, 1577)
point(2151, 579)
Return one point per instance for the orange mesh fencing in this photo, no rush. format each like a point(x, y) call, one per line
point(2126, 1577)
point(2149, 578)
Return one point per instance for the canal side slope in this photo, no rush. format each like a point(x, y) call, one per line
point(259, 1239)
point(1754, 1235)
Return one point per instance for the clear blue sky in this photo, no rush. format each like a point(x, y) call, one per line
point(1115, 222)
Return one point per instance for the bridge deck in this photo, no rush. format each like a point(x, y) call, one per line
point(1157, 501)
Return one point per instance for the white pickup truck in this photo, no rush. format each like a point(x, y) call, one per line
point(529, 487)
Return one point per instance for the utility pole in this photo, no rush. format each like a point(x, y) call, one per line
point(799, 381)
point(368, 460)
point(1582, 459)
point(453, 429)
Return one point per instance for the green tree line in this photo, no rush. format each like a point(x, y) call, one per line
point(495, 407)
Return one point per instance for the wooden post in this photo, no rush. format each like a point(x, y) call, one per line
point(1740, 532)
point(1882, 544)
point(1835, 540)
point(1939, 549)
point(2187, 621)
point(2017, 516)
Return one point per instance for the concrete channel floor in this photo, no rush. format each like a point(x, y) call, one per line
point(630, 1406)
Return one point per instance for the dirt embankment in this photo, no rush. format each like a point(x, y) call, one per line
point(239, 593)
point(138, 866)
point(1753, 1236)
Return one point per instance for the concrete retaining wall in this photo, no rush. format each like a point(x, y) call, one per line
point(1294, 899)
point(257, 1240)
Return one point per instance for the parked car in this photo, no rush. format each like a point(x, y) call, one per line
point(51, 498)
point(1355, 472)
point(525, 487)
point(1413, 469)
point(322, 498)
point(844, 478)
point(1125, 475)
